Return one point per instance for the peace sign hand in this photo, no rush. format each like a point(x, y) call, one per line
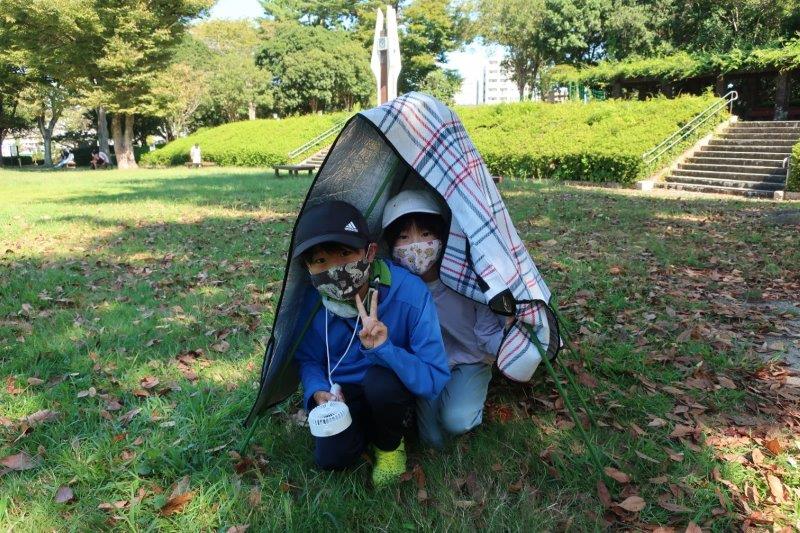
point(373, 332)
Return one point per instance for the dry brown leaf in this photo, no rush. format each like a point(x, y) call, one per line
point(64, 494)
point(657, 423)
point(464, 504)
point(11, 386)
point(775, 488)
point(675, 456)
point(238, 529)
point(221, 346)
point(774, 446)
point(176, 504)
point(634, 504)
point(40, 417)
point(127, 417)
point(617, 475)
point(180, 487)
point(148, 382)
point(647, 457)
point(35, 381)
point(19, 461)
point(254, 497)
point(603, 495)
point(693, 528)
point(681, 431)
point(726, 382)
point(757, 457)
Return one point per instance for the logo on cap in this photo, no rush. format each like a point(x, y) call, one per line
point(351, 227)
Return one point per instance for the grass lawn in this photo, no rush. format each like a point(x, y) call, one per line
point(134, 308)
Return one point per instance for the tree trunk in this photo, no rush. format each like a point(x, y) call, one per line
point(102, 130)
point(47, 138)
point(123, 140)
point(782, 97)
point(251, 111)
point(127, 154)
point(667, 89)
point(616, 89)
point(2, 136)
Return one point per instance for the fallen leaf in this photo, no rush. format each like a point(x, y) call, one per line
point(180, 487)
point(221, 346)
point(127, 417)
point(40, 417)
point(647, 457)
point(11, 386)
point(617, 475)
point(657, 423)
point(64, 494)
point(693, 528)
point(757, 457)
point(775, 488)
point(726, 382)
point(254, 497)
point(634, 504)
point(35, 381)
point(681, 431)
point(464, 504)
point(19, 461)
point(603, 495)
point(119, 504)
point(774, 446)
point(176, 504)
point(675, 456)
point(238, 529)
point(148, 382)
point(665, 502)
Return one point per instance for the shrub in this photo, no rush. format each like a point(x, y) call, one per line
point(598, 141)
point(793, 179)
point(248, 143)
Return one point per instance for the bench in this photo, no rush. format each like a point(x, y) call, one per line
point(204, 164)
point(71, 165)
point(294, 169)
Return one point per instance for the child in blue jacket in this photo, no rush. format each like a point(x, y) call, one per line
point(399, 355)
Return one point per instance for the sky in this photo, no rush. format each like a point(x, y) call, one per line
point(469, 62)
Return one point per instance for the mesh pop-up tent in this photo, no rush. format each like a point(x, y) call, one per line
point(415, 141)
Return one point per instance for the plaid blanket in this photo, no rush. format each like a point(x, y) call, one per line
point(484, 254)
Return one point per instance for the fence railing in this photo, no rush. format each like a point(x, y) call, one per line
point(690, 127)
point(333, 130)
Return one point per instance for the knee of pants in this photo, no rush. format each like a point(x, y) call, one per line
point(334, 461)
point(382, 386)
point(459, 421)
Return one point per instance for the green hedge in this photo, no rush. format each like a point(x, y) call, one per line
point(793, 179)
point(251, 143)
point(598, 141)
point(682, 65)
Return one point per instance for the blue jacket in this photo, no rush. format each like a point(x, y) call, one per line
point(414, 349)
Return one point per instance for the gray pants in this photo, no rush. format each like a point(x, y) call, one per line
point(459, 407)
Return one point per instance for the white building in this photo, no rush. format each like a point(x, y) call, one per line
point(497, 84)
point(486, 81)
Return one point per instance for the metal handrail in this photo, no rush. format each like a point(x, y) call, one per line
point(688, 128)
point(318, 139)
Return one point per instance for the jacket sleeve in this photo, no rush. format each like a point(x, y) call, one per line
point(311, 364)
point(424, 370)
point(488, 329)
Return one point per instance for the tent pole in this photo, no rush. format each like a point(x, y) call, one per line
point(249, 435)
point(570, 346)
point(313, 312)
point(593, 453)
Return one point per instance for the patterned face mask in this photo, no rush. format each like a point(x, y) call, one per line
point(342, 282)
point(418, 257)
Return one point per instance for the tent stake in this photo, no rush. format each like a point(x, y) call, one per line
point(595, 456)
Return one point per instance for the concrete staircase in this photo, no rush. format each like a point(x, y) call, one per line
point(746, 159)
point(317, 159)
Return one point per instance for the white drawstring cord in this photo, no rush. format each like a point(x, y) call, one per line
point(328, 352)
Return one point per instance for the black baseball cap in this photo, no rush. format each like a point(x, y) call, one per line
point(333, 221)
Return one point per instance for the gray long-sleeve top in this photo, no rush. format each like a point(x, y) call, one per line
point(471, 332)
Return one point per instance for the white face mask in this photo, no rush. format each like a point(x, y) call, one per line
point(418, 257)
